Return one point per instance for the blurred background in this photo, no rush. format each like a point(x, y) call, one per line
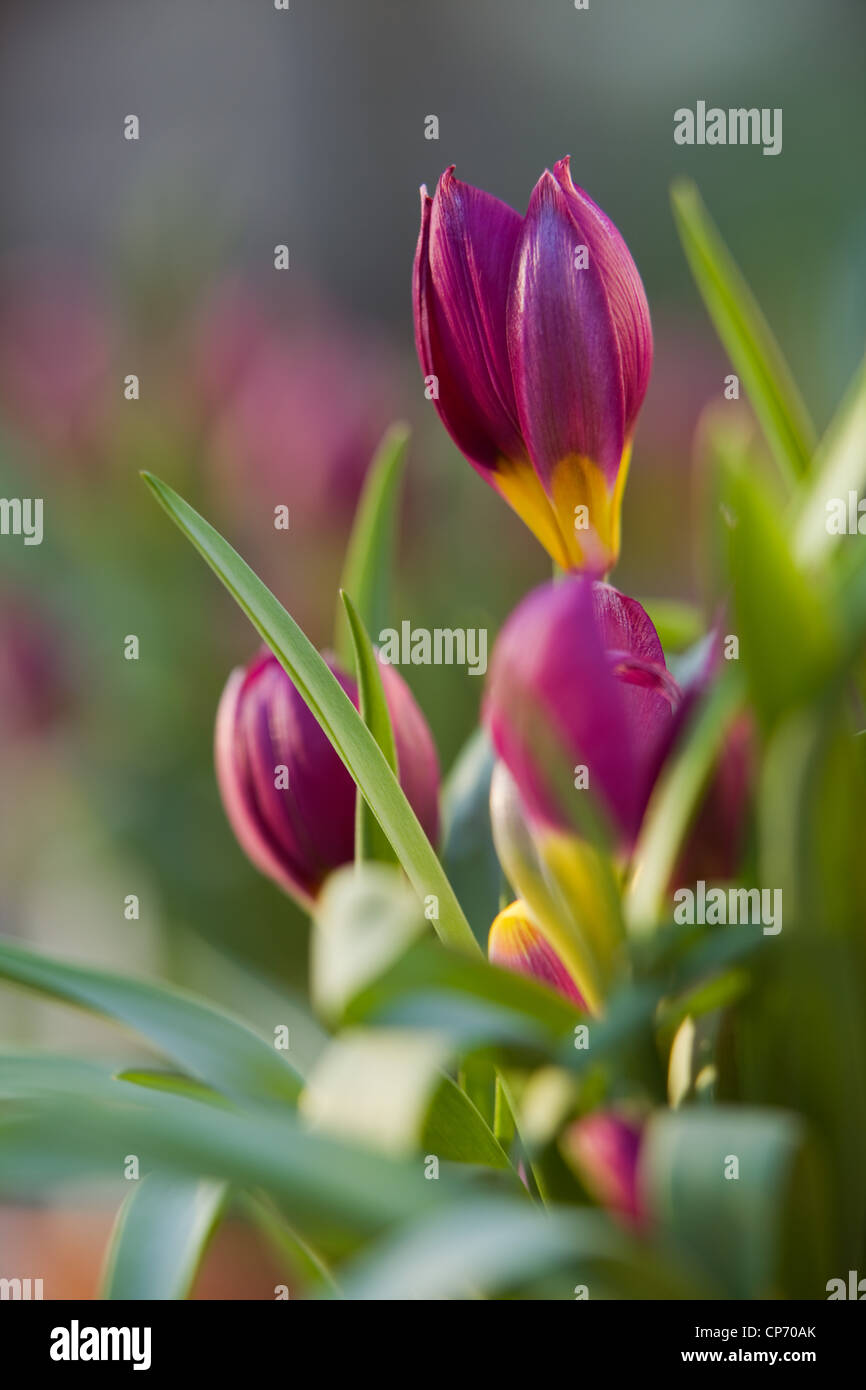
point(261, 387)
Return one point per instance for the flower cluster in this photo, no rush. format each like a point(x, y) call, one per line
point(534, 338)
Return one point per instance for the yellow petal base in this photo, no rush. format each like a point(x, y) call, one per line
point(579, 523)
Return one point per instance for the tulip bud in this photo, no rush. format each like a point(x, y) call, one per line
point(604, 1149)
point(288, 796)
point(537, 332)
point(578, 684)
point(584, 715)
point(517, 944)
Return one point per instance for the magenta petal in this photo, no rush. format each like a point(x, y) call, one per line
point(295, 835)
point(553, 679)
point(623, 286)
point(562, 341)
point(517, 944)
point(605, 1149)
point(460, 290)
point(417, 762)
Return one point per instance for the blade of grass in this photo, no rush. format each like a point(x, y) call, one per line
point(160, 1237)
point(672, 806)
point(370, 553)
point(371, 842)
point(745, 334)
point(840, 468)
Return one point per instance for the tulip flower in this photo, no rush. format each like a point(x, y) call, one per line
point(579, 700)
point(604, 1149)
point(517, 944)
point(534, 337)
point(288, 796)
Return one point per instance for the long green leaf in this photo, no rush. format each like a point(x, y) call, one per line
point(210, 1044)
point(331, 1192)
point(492, 1244)
point(371, 842)
point(160, 1236)
point(468, 852)
point(369, 558)
point(840, 468)
point(789, 641)
point(334, 711)
point(672, 806)
point(745, 334)
point(742, 1192)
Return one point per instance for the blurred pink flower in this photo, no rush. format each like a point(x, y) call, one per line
point(604, 1148)
point(34, 684)
point(55, 356)
point(293, 410)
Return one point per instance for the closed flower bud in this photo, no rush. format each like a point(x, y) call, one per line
point(604, 1149)
point(288, 796)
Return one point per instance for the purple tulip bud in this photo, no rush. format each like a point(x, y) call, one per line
point(604, 1148)
point(578, 701)
point(516, 943)
point(288, 796)
point(537, 332)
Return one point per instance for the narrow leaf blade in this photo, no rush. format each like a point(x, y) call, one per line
point(745, 335)
point(369, 557)
point(371, 842)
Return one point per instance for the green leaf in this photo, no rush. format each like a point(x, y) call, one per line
point(673, 804)
point(31, 1076)
point(371, 842)
point(456, 1130)
point(745, 335)
point(387, 1088)
point(678, 624)
point(212, 1045)
point(364, 920)
point(761, 1233)
point(333, 1193)
point(334, 711)
point(374, 1086)
point(479, 1248)
point(788, 639)
point(160, 1237)
point(840, 468)
point(369, 558)
point(468, 852)
point(173, 1084)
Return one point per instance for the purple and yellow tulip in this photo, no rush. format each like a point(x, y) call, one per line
point(534, 337)
point(287, 795)
point(583, 715)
